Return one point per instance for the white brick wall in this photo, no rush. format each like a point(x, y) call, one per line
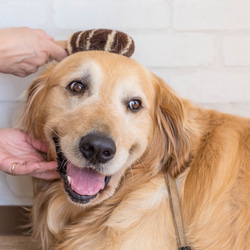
point(201, 48)
point(22, 13)
point(115, 14)
point(174, 49)
point(236, 50)
point(211, 14)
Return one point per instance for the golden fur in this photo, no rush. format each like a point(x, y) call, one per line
point(208, 152)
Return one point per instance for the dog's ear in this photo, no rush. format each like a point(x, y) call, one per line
point(31, 118)
point(172, 122)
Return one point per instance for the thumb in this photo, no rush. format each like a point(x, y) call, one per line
point(36, 144)
point(57, 52)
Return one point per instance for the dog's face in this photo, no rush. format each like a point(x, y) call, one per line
point(97, 112)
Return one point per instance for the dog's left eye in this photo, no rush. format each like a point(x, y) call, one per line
point(77, 87)
point(134, 105)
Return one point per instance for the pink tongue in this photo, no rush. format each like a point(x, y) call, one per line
point(85, 181)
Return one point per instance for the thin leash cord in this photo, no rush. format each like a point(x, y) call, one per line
point(175, 206)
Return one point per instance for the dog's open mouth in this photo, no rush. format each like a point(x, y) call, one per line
point(82, 184)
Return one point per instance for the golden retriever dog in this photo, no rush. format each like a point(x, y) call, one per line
point(115, 129)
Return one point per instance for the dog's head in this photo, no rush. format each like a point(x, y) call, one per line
point(100, 113)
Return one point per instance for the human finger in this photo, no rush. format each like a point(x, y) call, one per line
point(31, 168)
point(45, 166)
point(21, 74)
point(49, 175)
point(22, 168)
point(46, 171)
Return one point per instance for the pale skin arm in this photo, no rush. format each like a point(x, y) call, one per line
point(24, 50)
point(17, 148)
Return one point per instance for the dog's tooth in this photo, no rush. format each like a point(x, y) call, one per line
point(68, 177)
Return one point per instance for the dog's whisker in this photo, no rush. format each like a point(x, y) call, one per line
point(132, 173)
point(52, 130)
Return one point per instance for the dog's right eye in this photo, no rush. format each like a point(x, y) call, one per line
point(77, 87)
point(134, 105)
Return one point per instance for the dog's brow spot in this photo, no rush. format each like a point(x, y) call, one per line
point(132, 149)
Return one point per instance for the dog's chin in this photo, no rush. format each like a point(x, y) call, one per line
point(82, 184)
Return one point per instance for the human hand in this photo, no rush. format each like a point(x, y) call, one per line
point(19, 156)
point(24, 50)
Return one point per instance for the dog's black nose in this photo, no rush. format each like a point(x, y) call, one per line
point(97, 148)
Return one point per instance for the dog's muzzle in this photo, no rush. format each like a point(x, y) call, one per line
point(83, 184)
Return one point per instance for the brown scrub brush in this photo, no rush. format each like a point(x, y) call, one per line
point(99, 39)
